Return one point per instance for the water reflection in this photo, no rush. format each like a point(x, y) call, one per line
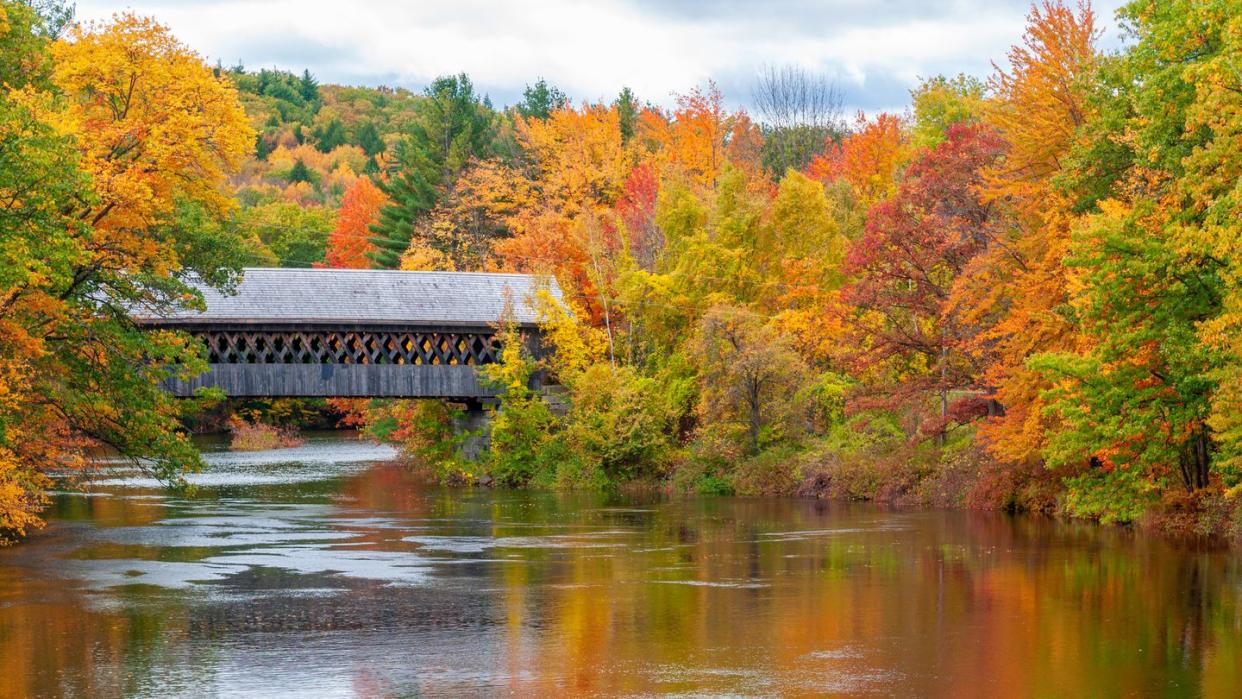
point(326, 572)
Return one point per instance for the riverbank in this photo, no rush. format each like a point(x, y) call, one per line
point(958, 477)
point(968, 480)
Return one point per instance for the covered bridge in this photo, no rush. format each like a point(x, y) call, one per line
point(356, 333)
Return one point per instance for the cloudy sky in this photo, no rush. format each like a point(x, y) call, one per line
point(875, 49)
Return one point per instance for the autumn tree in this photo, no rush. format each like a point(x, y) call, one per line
point(939, 103)
point(693, 139)
point(287, 234)
point(1132, 409)
point(867, 159)
point(807, 246)
point(915, 248)
point(452, 126)
point(349, 243)
point(1019, 289)
point(636, 208)
point(750, 376)
point(575, 169)
point(39, 180)
point(157, 132)
point(1136, 404)
point(1209, 185)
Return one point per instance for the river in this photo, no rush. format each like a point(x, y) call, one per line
point(325, 570)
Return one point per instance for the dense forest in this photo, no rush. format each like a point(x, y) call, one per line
point(1021, 292)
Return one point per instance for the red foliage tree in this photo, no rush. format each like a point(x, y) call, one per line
point(904, 267)
point(637, 209)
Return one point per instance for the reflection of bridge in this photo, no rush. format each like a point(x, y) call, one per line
point(355, 333)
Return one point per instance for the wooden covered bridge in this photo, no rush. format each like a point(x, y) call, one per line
point(356, 333)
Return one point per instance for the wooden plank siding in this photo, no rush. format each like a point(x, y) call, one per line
point(338, 381)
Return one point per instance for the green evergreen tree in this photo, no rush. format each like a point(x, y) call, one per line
point(367, 136)
point(540, 99)
point(330, 136)
point(261, 149)
point(411, 195)
point(300, 173)
point(308, 87)
point(627, 112)
point(282, 91)
point(452, 126)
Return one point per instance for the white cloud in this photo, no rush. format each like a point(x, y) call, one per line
point(592, 49)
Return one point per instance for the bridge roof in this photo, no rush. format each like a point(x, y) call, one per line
point(383, 297)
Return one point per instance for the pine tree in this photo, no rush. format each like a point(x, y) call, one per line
point(411, 195)
point(451, 127)
point(540, 100)
point(261, 148)
point(299, 173)
point(330, 136)
point(367, 136)
point(308, 87)
point(627, 111)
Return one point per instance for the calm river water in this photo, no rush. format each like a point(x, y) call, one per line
point(323, 571)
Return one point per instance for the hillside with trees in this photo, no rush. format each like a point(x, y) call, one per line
point(1022, 292)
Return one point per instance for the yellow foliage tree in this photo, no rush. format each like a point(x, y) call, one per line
point(116, 181)
point(155, 126)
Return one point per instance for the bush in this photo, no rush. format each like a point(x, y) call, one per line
point(616, 424)
point(256, 436)
point(523, 424)
point(774, 471)
point(424, 432)
point(1204, 514)
point(520, 433)
point(703, 477)
point(894, 475)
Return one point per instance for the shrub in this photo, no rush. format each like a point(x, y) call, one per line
point(891, 476)
point(616, 424)
point(424, 432)
point(256, 436)
point(523, 424)
point(774, 471)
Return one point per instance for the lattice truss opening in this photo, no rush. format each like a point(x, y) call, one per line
point(365, 347)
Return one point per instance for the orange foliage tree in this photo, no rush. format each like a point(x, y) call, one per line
point(1017, 285)
point(867, 159)
point(349, 243)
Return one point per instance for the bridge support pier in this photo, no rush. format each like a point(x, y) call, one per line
point(475, 422)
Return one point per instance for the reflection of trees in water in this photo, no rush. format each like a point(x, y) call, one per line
point(564, 593)
point(59, 646)
point(106, 510)
point(1018, 604)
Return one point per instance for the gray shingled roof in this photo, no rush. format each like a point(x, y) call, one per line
point(284, 296)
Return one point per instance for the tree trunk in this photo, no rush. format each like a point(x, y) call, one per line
point(1196, 461)
point(944, 395)
point(754, 419)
